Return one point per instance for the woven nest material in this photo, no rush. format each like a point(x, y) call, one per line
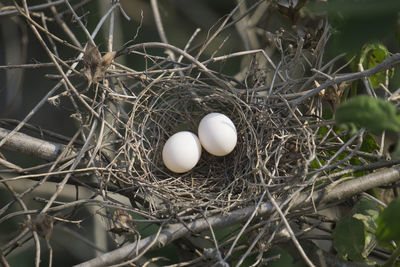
point(273, 144)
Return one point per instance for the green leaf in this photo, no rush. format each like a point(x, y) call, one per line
point(349, 238)
point(371, 55)
point(367, 211)
point(374, 114)
point(285, 258)
point(369, 144)
point(388, 223)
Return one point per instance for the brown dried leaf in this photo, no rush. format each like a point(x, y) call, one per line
point(41, 224)
point(332, 94)
point(123, 223)
point(95, 64)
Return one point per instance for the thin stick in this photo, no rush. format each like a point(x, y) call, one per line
point(174, 231)
point(290, 231)
point(386, 64)
point(132, 48)
point(157, 18)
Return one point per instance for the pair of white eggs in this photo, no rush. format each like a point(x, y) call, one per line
point(217, 134)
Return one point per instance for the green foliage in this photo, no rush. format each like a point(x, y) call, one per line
point(388, 223)
point(285, 259)
point(355, 232)
point(349, 238)
point(371, 55)
point(315, 164)
point(367, 211)
point(371, 113)
point(369, 144)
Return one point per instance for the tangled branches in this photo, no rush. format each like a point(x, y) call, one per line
point(286, 165)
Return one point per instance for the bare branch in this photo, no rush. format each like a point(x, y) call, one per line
point(28, 145)
point(386, 64)
point(172, 232)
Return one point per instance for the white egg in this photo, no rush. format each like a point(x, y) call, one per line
point(181, 152)
point(217, 134)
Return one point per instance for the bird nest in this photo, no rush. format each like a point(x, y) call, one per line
point(274, 144)
point(288, 162)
